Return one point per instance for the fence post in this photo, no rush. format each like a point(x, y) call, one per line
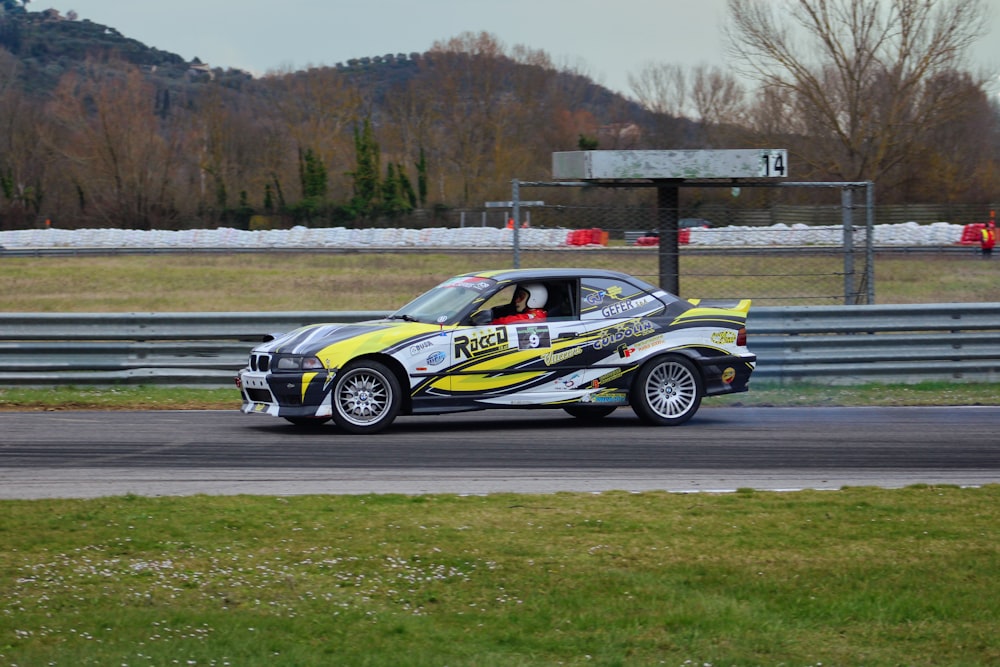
point(870, 243)
point(516, 206)
point(847, 214)
point(667, 201)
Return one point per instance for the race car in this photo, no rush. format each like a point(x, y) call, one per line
point(590, 341)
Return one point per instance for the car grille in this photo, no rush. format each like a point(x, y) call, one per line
point(260, 362)
point(259, 395)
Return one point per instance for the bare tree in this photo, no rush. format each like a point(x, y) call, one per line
point(486, 100)
point(115, 147)
point(718, 100)
point(860, 78)
point(23, 160)
point(661, 88)
point(317, 110)
point(959, 161)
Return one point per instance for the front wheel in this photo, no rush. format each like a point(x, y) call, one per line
point(366, 397)
point(667, 391)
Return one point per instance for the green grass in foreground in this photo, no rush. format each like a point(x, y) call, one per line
point(856, 577)
point(761, 395)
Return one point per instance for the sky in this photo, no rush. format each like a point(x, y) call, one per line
point(602, 40)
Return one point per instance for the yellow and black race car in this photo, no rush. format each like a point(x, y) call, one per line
point(590, 341)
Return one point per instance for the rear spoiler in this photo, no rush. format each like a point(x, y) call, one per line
point(742, 305)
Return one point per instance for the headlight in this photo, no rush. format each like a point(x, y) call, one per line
point(297, 363)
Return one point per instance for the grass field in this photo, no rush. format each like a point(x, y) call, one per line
point(287, 281)
point(855, 577)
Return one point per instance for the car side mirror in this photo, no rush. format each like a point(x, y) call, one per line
point(482, 318)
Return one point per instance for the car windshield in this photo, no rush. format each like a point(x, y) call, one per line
point(447, 302)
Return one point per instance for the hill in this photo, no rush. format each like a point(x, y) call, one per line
point(46, 45)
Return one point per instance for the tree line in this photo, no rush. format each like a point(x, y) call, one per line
point(856, 90)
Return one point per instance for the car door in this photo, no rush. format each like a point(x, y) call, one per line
point(515, 364)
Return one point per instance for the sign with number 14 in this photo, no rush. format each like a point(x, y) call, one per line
point(774, 163)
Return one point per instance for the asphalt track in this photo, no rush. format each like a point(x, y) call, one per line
point(92, 454)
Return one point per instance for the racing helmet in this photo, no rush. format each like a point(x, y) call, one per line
point(537, 295)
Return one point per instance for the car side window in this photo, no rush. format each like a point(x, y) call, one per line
point(501, 298)
point(602, 298)
point(561, 304)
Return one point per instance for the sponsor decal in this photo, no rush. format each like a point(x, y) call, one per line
point(477, 284)
point(724, 337)
point(417, 348)
point(476, 345)
point(551, 358)
point(618, 333)
point(728, 375)
point(608, 397)
point(626, 351)
point(597, 298)
point(568, 382)
point(623, 306)
point(533, 337)
point(436, 358)
point(608, 377)
point(472, 282)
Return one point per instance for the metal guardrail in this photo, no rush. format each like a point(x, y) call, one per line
point(818, 344)
point(847, 345)
point(140, 348)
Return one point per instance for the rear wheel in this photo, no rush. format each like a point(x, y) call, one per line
point(366, 397)
point(667, 391)
point(590, 413)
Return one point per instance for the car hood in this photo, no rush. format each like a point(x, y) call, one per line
point(360, 337)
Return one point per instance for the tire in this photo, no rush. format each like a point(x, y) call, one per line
point(307, 422)
point(366, 397)
point(588, 413)
point(667, 391)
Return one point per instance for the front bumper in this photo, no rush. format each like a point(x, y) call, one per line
point(285, 394)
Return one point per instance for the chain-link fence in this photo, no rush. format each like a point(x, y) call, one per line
point(777, 254)
point(779, 244)
point(774, 249)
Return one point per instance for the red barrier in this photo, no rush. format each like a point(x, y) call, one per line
point(972, 233)
point(683, 238)
point(594, 236)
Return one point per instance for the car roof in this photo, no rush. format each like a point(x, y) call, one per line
point(520, 275)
